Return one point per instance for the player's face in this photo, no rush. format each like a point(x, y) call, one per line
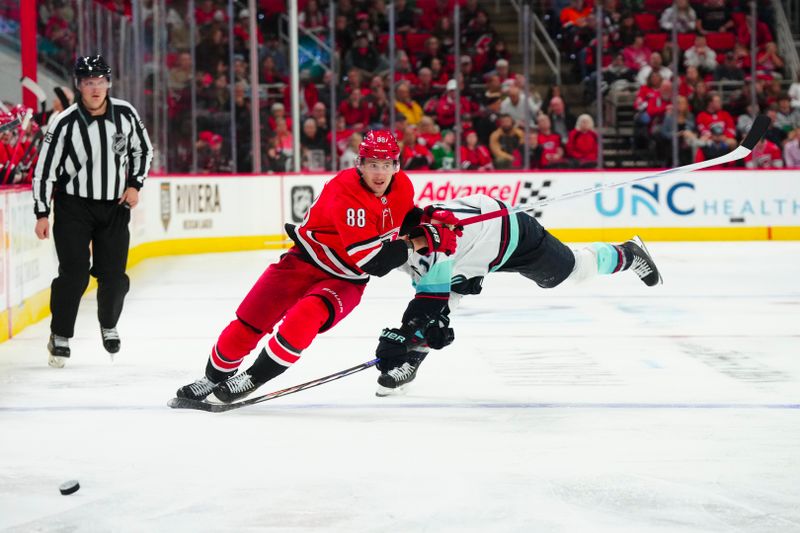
point(377, 174)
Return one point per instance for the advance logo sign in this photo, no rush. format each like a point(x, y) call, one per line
point(513, 191)
point(641, 199)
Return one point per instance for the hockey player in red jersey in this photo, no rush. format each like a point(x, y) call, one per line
point(349, 233)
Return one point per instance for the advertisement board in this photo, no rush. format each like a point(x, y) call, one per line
point(209, 207)
point(31, 262)
point(700, 199)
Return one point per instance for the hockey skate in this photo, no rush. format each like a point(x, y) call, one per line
point(58, 347)
point(111, 340)
point(395, 381)
point(643, 264)
point(198, 390)
point(236, 387)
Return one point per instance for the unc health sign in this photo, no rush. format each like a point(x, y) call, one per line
point(700, 199)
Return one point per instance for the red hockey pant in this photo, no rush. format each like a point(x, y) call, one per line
point(306, 298)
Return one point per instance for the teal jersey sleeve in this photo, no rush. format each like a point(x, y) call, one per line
point(437, 278)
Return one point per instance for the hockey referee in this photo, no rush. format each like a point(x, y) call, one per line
point(94, 160)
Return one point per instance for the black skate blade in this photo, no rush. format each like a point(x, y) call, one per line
point(385, 392)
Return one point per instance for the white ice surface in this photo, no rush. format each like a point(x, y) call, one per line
point(609, 407)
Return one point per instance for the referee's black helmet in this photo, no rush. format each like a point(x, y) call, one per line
point(91, 67)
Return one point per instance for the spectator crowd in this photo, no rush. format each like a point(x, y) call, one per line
point(721, 81)
point(714, 102)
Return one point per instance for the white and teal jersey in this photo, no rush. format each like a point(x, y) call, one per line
point(484, 247)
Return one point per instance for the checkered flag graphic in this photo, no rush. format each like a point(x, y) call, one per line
point(531, 194)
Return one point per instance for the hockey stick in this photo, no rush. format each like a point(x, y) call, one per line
point(35, 88)
point(26, 119)
point(9, 125)
point(184, 403)
point(757, 130)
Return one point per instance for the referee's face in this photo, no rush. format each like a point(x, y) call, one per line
point(93, 92)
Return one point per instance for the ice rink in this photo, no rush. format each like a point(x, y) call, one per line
point(606, 407)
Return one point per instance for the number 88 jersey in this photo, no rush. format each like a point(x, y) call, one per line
point(347, 224)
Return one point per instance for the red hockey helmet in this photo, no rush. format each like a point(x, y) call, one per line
point(379, 144)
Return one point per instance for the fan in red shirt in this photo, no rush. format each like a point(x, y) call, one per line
point(356, 110)
point(446, 107)
point(413, 155)
point(765, 154)
point(208, 13)
point(763, 33)
point(349, 233)
point(428, 133)
point(582, 142)
point(549, 144)
point(714, 114)
point(475, 156)
point(402, 70)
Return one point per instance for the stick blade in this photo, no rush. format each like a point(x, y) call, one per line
point(185, 403)
point(757, 130)
point(196, 405)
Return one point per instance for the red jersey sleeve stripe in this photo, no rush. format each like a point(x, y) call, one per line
point(333, 257)
point(369, 243)
point(317, 252)
point(363, 245)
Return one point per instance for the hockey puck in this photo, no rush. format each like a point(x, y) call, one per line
point(69, 487)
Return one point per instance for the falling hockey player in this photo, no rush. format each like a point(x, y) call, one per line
point(349, 233)
point(510, 243)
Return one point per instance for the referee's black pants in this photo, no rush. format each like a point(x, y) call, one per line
point(104, 224)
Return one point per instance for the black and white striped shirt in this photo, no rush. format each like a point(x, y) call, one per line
point(92, 157)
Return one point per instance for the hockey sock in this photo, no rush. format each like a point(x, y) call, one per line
point(612, 258)
point(268, 365)
point(219, 368)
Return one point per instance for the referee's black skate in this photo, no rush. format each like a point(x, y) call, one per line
point(58, 347)
point(236, 387)
point(643, 264)
point(395, 381)
point(198, 390)
point(111, 340)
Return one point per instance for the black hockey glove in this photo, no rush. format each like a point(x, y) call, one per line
point(439, 334)
point(393, 347)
